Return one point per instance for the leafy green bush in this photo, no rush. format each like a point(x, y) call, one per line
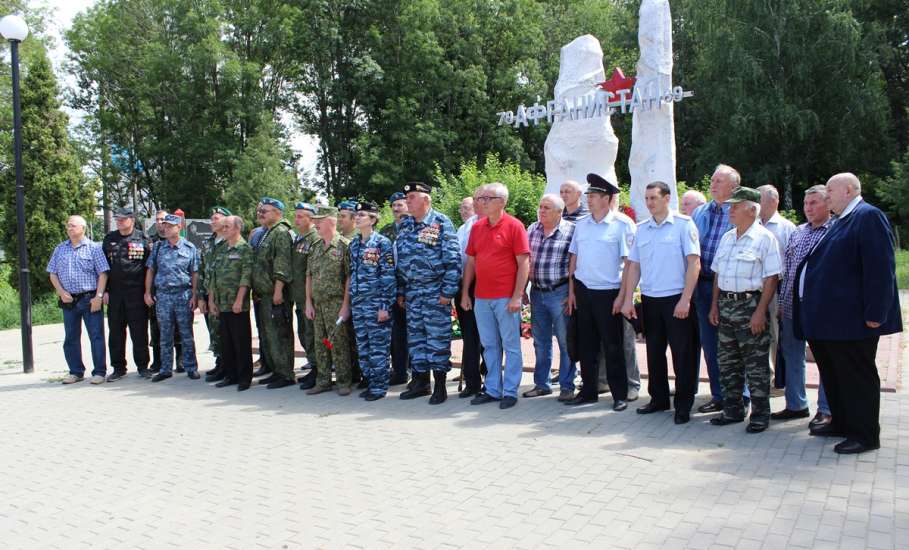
point(44, 306)
point(524, 188)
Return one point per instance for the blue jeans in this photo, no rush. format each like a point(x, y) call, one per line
point(708, 334)
point(500, 329)
point(548, 318)
point(72, 342)
point(793, 351)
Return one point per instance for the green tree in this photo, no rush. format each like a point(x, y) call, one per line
point(524, 187)
point(264, 169)
point(893, 191)
point(55, 187)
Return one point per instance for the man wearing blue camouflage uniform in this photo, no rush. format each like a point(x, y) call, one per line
point(173, 270)
point(372, 291)
point(428, 271)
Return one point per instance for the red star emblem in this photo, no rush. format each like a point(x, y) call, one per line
point(617, 82)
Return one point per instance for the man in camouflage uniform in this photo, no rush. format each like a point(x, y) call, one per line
point(428, 271)
point(272, 273)
point(303, 243)
point(746, 266)
point(399, 353)
point(372, 291)
point(156, 235)
point(173, 270)
point(229, 279)
point(328, 303)
point(210, 248)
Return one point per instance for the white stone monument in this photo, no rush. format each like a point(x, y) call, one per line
point(652, 155)
point(575, 148)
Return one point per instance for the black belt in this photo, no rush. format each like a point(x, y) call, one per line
point(560, 284)
point(740, 295)
point(79, 295)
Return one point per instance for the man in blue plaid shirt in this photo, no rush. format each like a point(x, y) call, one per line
point(78, 270)
point(549, 239)
point(712, 221)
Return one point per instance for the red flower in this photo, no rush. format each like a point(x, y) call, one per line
point(327, 343)
point(629, 211)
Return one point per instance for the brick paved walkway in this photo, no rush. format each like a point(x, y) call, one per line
point(182, 464)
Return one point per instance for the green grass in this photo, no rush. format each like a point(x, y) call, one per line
point(902, 268)
point(44, 307)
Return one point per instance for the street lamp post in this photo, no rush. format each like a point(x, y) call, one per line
point(14, 29)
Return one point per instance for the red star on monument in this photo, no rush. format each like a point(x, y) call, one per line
point(617, 82)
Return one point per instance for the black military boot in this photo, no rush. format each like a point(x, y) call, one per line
point(419, 386)
point(439, 391)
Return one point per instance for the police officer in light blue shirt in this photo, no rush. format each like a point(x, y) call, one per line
point(665, 258)
point(598, 250)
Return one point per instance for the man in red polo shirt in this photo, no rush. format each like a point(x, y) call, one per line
point(498, 255)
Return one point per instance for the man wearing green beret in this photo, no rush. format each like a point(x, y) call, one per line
point(272, 273)
point(210, 248)
point(747, 266)
point(303, 246)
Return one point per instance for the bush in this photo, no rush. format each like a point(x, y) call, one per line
point(524, 188)
point(44, 306)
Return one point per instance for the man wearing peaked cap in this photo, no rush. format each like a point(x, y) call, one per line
point(346, 226)
point(399, 354)
point(428, 270)
point(302, 249)
point(126, 249)
point(747, 266)
point(601, 243)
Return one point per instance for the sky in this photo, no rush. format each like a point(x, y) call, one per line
point(63, 13)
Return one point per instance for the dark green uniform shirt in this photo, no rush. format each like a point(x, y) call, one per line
point(273, 260)
point(329, 268)
point(232, 268)
point(302, 248)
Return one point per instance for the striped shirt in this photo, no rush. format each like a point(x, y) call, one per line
point(78, 267)
point(549, 254)
point(801, 243)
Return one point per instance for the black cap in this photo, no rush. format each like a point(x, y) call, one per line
point(417, 186)
point(124, 212)
point(598, 184)
point(367, 206)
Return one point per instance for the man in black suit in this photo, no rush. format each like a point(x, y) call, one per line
point(847, 300)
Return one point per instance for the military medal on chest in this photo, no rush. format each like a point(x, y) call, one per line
point(135, 250)
point(371, 256)
point(429, 235)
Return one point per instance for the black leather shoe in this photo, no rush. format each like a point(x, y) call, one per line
point(789, 414)
point(619, 405)
point(194, 375)
point(439, 391)
point(243, 387)
point(374, 396)
point(468, 392)
point(269, 379)
point(724, 420)
point(180, 369)
point(681, 417)
point(826, 430)
point(711, 407)
point(363, 394)
point(419, 386)
point(482, 398)
point(144, 373)
point(652, 408)
point(261, 371)
point(311, 375)
point(851, 447)
point(213, 372)
point(224, 383)
point(363, 384)
point(161, 376)
point(820, 419)
point(280, 382)
point(756, 427)
point(218, 376)
point(580, 400)
point(308, 383)
point(508, 402)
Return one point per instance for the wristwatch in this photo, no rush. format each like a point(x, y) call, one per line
point(99, 295)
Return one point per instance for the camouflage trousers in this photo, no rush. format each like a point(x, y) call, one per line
point(278, 340)
point(338, 337)
point(173, 313)
point(428, 331)
point(373, 346)
point(743, 357)
point(213, 322)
